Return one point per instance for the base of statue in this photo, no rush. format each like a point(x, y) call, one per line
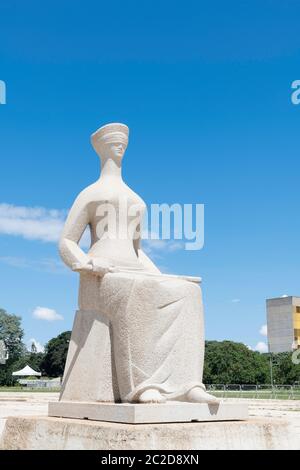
point(46, 433)
point(171, 412)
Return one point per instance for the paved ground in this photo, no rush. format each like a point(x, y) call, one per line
point(24, 404)
point(287, 410)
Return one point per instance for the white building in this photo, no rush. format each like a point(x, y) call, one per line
point(283, 318)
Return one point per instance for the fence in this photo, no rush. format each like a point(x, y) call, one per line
point(40, 383)
point(282, 392)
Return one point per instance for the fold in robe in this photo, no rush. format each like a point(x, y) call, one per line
point(157, 331)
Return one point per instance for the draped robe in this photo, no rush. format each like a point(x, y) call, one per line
point(133, 331)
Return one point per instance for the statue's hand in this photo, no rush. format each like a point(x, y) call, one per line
point(79, 267)
point(101, 267)
point(98, 267)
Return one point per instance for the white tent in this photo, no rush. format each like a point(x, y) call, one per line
point(26, 371)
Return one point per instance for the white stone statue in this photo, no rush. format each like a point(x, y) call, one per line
point(138, 335)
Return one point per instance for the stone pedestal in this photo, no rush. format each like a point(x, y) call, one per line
point(63, 434)
point(172, 412)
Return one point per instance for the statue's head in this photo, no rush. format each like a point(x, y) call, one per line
point(110, 141)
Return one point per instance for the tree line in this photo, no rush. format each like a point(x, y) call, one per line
point(50, 363)
point(226, 362)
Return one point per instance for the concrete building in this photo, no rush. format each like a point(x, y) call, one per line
point(283, 319)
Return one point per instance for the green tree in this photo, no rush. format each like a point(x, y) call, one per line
point(11, 333)
point(55, 355)
point(229, 362)
point(285, 372)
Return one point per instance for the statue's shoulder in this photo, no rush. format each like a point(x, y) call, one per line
point(86, 196)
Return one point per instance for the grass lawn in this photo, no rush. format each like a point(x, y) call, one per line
point(259, 394)
point(279, 394)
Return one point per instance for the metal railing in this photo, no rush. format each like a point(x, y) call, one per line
point(280, 392)
point(40, 383)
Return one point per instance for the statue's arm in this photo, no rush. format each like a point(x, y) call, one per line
point(143, 258)
point(75, 225)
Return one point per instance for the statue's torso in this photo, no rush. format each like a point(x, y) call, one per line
point(115, 214)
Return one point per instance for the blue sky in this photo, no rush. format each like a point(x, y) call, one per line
point(205, 88)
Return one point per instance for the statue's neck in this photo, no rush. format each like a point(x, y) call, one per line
point(111, 169)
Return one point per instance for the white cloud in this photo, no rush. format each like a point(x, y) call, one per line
point(35, 223)
point(235, 301)
point(51, 265)
point(153, 245)
point(48, 314)
point(160, 246)
point(249, 347)
point(39, 223)
point(38, 345)
point(261, 347)
point(32, 223)
point(263, 330)
point(284, 295)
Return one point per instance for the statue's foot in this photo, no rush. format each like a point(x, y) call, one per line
point(151, 396)
point(198, 395)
